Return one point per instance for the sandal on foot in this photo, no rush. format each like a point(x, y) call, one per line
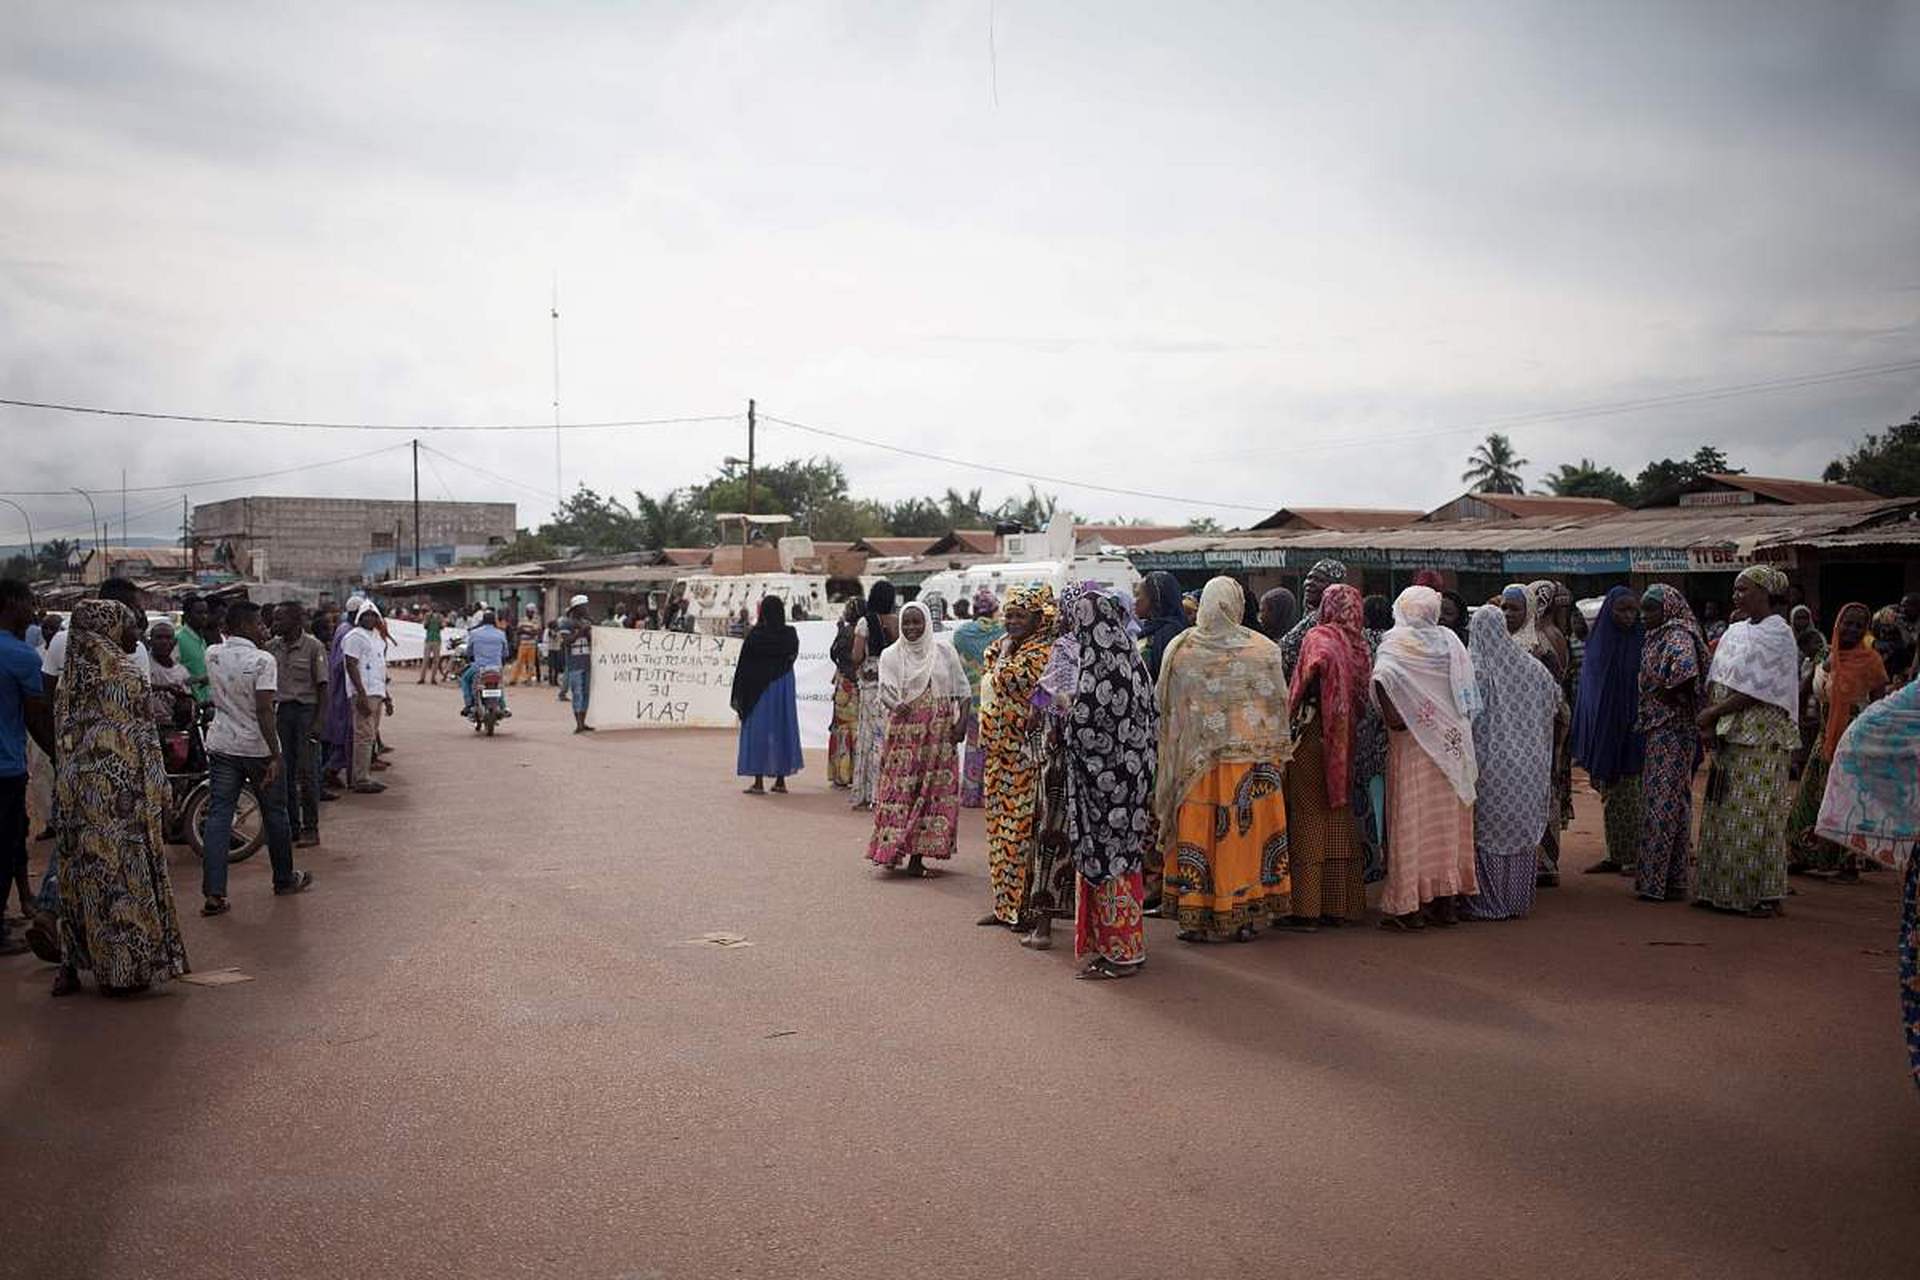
point(1101, 971)
point(301, 882)
point(215, 907)
point(1397, 924)
point(1034, 942)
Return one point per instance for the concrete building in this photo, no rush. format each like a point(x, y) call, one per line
point(324, 542)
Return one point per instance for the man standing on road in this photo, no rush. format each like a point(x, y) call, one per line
point(23, 710)
point(487, 648)
point(190, 643)
point(579, 661)
point(430, 661)
point(243, 746)
point(366, 653)
point(301, 661)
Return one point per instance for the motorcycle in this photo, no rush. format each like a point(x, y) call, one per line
point(190, 788)
point(489, 701)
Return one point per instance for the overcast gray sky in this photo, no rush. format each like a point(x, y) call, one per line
point(1214, 250)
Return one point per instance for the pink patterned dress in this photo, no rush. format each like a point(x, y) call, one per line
point(916, 810)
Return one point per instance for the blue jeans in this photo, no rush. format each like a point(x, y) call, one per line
point(577, 688)
point(228, 773)
point(299, 787)
point(471, 674)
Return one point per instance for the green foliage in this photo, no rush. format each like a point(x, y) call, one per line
point(54, 553)
point(1494, 467)
point(19, 566)
point(1659, 481)
point(1587, 479)
point(526, 546)
point(1204, 525)
point(1885, 462)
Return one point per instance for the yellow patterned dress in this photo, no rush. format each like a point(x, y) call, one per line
point(1011, 777)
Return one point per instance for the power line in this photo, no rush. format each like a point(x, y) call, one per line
point(1601, 410)
point(209, 482)
point(542, 494)
point(1033, 476)
point(220, 421)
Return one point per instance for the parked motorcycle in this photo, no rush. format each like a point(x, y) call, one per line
point(191, 792)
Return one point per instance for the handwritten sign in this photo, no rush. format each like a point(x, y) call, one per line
point(661, 679)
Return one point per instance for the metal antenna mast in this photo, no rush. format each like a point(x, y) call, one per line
point(555, 315)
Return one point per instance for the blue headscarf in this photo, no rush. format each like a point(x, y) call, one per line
point(1605, 742)
point(1165, 619)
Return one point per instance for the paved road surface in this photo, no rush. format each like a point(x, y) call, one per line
point(485, 1046)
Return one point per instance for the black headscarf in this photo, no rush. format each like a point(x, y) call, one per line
point(1165, 618)
point(881, 603)
point(842, 651)
point(765, 655)
point(1285, 615)
point(1462, 614)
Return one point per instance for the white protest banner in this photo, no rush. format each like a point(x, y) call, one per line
point(652, 679)
point(409, 641)
point(813, 682)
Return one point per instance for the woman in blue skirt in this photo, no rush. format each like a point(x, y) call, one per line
point(763, 698)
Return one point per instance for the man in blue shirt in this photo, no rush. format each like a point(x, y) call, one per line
point(486, 651)
point(23, 710)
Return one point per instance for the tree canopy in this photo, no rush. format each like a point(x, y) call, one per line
point(1588, 479)
point(1494, 467)
point(1885, 462)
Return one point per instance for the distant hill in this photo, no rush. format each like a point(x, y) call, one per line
point(137, 540)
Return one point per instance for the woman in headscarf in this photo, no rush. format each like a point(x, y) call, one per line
point(845, 728)
point(1157, 606)
point(1753, 704)
point(1872, 808)
point(1851, 676)
point(1108, 737)
point(1013, 743)
point(1605, 742)
point(1328, 695)
point(935, 603)
point(1323, 575)
point(872, 634)
point(1278, 612)
point(337, 729)
point(1453, 613)
point(1522, 715)
point(1671, 668)
point(765, 701)
point(1424, 684)
point(117, 918)
point(1378, 614)
point(972, 640)
point(923, 703)
point(1224, 744)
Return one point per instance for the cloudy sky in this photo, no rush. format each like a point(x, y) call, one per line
point(1247, 254)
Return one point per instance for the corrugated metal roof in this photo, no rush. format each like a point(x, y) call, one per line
point(1344, 518)
point(1524, 505)
point(1797, 492)
point(1124, 535)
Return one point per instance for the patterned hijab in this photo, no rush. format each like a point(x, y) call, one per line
point(1872, 805)
point(1222, 699)
point(1109, 739)
point(1332, 571)
point(1058, 681)
point(1605, 743)
point(1335, 653)
point(1011, 677)
point(1528, 636)
point(1512, 738)
point(1676, 651)
point(1553, 641)
point(1425, 670)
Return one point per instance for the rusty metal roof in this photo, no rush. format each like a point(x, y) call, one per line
point(1795, 492)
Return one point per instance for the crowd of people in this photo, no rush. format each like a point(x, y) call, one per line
point(1238, 767)
point(118, 717)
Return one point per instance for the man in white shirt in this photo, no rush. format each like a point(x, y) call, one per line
point(243, 747)
point(366, 653)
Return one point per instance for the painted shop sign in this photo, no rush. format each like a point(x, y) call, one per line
point(1605, 560)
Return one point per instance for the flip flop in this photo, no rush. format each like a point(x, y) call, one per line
point(215, 907)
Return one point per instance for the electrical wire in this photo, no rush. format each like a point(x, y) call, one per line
point(491, 475)
point(445, 488)
point(996, 469)
point(202, 483)
point(219, 421)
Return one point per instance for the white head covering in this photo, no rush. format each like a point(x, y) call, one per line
point(1760, 659)
point(1528, 636)
point(908, 668)
point(576, 602)
point(1426, 671)
point(366, 607)
point(353, 605)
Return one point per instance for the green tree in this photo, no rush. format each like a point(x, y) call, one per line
point(917, 517)
point(1885, 462)
point(1203, 526)
point(1660, 481)
point(1494, 467)
point(526, 547)
point(54, 554)
point(1033, 511)
point(848, 520)
point(589, 522)
point(18, 566)
point(1707, 460)
point(677, 518)
point(1588, 479)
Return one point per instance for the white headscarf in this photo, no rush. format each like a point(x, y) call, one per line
point(1762, 660)
point(908, 668)
point(1426, 671)
point(1528, 636)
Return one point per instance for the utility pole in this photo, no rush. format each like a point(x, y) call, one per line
point(555, 314)
point(416, 506)
point(750, 425)
point(123, 507)
point(93, 524)
point(33, 549)
point(186, 538)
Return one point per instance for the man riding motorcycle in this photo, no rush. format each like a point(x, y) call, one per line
point(486, 651)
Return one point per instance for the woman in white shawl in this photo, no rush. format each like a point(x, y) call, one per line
point(1752, 724)
point(1423, 683)
point(923, 696)
point(1513, 743)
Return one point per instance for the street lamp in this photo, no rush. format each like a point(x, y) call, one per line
point(33, 552)
point(95, 526)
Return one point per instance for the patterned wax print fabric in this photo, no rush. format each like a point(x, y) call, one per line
point(1761, 660)
point(916, 808)
point(844, 730)
point(117, 917)
point(1109, 922)
point(1742, 859)
point(1012, 758)
point(1227, 871)
point(1675, 657)
point(1326, 856)
point(972, 640)
point(1426, 673)
point(1109, 737)
point(1666, 823)
point(1430, 829)
point(1332, 571)
point(1513, 739)
point(1337, 663)
point(871, 730)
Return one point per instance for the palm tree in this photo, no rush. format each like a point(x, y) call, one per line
point(1494, 468)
